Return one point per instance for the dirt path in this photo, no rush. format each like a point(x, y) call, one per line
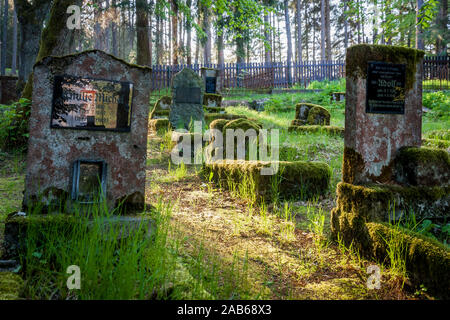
point(280, 265)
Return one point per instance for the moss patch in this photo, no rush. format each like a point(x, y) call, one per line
point(159, 125)
point(359, 55)
point(422, 166)
point(352, 164)
point(330, 130)
point(216, 99)
point(210, 117)
point(318, 116)
point(10, 286)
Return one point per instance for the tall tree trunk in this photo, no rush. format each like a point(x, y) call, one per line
point(158, 37)
point(188, 35)
point(14, 50)
point(55, 38)
point(327, 30)
point(289, 41)
point(150, 39)
point(345, 24)
point(142, 47)
point(420, 44)
point(322, 30)
point(5, 38)
point(207, 28)
point(220, 42)
point(442, 25)
point(114, 30)
point(267, 38)
point(175, 49)
point(299, 31)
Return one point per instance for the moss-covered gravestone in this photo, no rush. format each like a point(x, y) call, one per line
point(310, 114)
point(88, 132)
point(187, 99)
point(383, 109)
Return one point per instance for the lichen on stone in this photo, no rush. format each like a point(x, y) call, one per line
point(359, 55)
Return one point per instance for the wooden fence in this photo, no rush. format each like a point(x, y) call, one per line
point(301, 74)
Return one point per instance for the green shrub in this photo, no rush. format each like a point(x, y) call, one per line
point(14, 124)
point(439, 103)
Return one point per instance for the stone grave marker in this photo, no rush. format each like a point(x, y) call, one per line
point(212, 80)
point(383, 109)
point(88, 131)
point(187, 99)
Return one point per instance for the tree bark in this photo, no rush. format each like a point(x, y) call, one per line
point(55, 38)
point(207, 28)
point(267, 38)
point(5, 37)
point(142, 47)
point(175, 49)
point(14, 51)
point(345, 24)
point(188, 36)
point(299, 31)
point(420, 44)
point(114, 30)
point(289, 41)
point(322, 30)
point(30, 18)
point(327, 30)
point(442, 25)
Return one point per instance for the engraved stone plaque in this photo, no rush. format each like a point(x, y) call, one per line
point(210, 84)
point(385, 88)
point(188, 95)
point(92, 104)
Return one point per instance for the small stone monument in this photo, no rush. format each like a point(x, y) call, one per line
point(310, 114)
point(383, 109)
point(88, 132)
point(212, 80)
point(187, 98)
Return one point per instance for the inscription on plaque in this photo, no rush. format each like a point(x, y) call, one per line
point(92, 104)
point(385, 88)
point(210, 84)
point(188, 95)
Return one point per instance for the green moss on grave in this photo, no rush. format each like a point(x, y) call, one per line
point(297, 179)
point(214, 109)
point(410, 161)
point(318, 116)
point(10, 286)
point(218, 124)
point(427, 261)
point(244, 124)
point(297, 123)
point(157, 110)
point(331, 130)
point(217, 98)
point(299, 106)
point(352, 164)
point(359, 55)
point(210, 117)
point(159, 125)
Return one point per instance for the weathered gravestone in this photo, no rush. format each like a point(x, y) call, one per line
point(88, 131)
point(212, 80)
point(187, 98)
point(383, 109)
